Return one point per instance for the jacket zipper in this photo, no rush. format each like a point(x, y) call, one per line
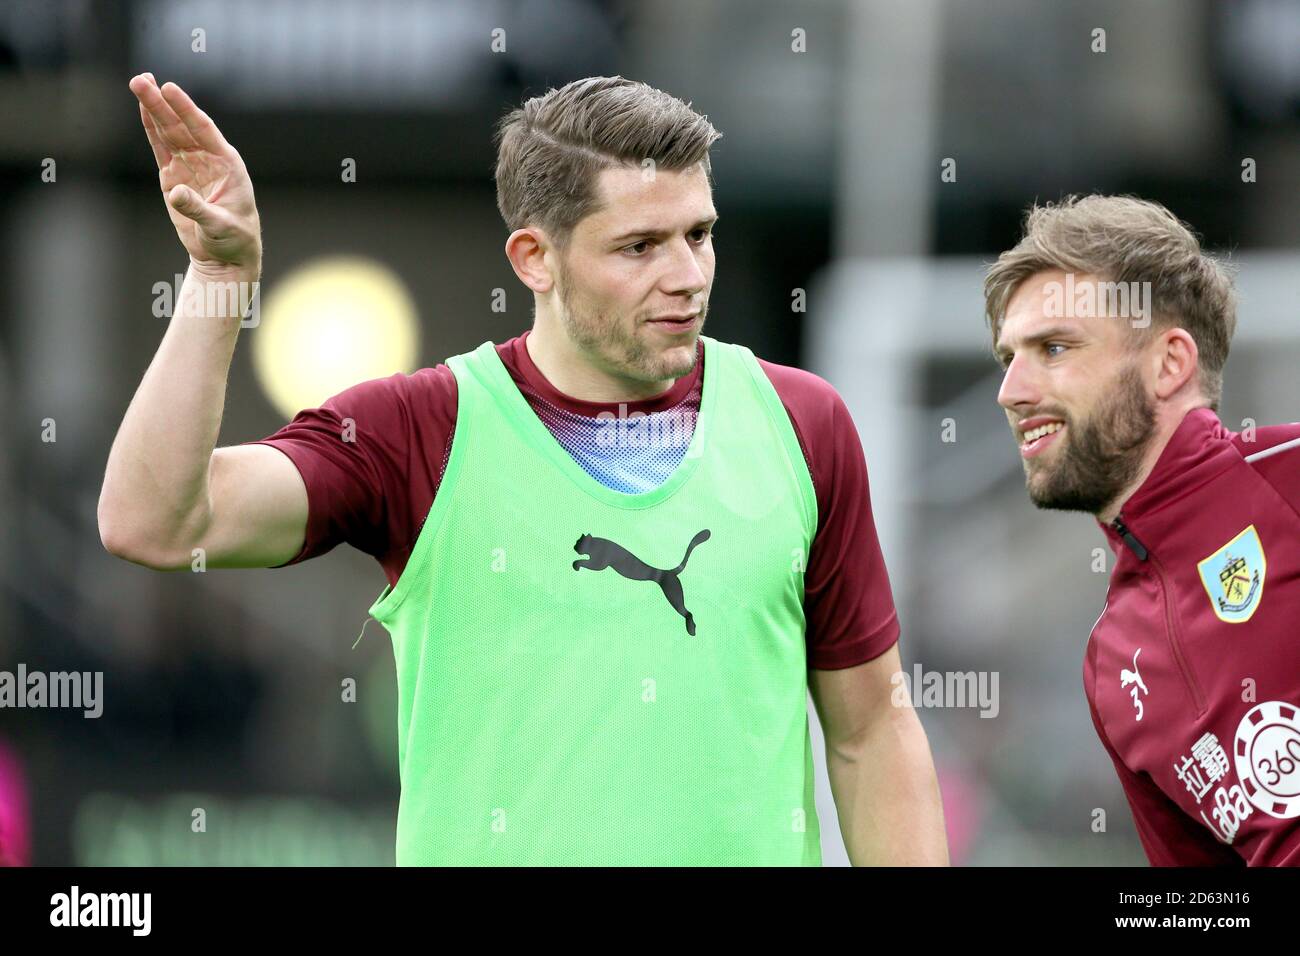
point(1143, 554)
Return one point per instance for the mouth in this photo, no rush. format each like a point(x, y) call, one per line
point(676, 323)
point(1036, 434)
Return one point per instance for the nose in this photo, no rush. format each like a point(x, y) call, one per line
point(686, 273)
point(1019, 385)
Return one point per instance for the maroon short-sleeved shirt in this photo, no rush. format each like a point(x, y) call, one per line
point(374, 491)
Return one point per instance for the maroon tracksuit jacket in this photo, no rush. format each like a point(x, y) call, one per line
point(1193, 669)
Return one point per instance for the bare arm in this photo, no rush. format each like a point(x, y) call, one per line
point(167, 489)
point(880, 768)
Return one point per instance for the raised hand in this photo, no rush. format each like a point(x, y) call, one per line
point(205, 185)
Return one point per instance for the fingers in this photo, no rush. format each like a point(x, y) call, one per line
point(174, 134)
point(161, 154)
point(197, 122)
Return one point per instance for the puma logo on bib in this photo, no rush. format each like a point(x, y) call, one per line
point(601, 553)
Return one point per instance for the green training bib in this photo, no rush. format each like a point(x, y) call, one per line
point(588, 677)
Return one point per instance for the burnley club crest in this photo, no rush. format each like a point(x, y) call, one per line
point(1234, 577)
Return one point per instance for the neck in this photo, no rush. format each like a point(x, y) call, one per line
point(578, 374)
point(1166, 424)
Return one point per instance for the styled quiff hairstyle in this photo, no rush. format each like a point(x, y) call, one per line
point(1123, 239)
point(551, 150)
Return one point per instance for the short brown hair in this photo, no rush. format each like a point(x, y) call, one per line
point(1124, 239)
point(551, 150)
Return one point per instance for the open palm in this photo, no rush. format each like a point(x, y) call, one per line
point(205, 185)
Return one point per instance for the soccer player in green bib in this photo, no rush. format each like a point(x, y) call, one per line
point(620, 553)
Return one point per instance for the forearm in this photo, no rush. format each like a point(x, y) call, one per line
point(156, 481)
point(887, 794)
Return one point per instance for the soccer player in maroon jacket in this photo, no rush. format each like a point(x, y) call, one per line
point(1113, 327)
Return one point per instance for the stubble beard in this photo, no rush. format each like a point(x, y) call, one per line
point(609, 341)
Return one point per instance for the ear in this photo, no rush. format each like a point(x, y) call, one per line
point(526, 249)
point(1176, 362)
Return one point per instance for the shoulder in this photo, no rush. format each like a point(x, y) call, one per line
point(1274, 452)
point(820, 417)
point(1269, 441)
point(425, 384)
point(827, 435)
point(808, 393)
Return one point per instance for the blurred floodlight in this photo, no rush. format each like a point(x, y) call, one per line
point(331, 324)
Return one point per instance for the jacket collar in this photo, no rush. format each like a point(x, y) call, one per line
point(1199, 449)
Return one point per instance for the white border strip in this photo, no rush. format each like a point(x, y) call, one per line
point(1293, 443)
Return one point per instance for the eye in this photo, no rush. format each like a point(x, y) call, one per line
point(1053, 345)
point(703, 236)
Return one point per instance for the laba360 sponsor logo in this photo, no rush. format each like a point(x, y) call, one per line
point(1266, 754)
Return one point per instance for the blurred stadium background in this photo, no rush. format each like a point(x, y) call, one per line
point(222, 690)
